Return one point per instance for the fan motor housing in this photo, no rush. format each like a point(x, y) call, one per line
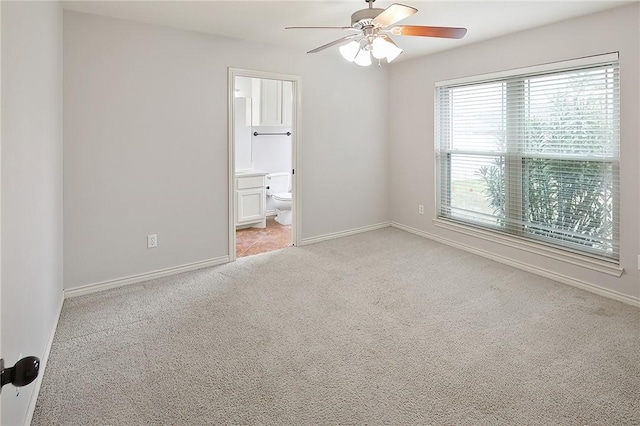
point(363, 18)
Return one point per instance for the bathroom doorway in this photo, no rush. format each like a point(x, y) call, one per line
point(264, 188)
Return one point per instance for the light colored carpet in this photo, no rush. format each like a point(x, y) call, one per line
point(380, 327)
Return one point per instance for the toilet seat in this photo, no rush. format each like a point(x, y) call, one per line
point(282, 196)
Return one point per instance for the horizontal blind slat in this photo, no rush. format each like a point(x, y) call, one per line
point(536, 155)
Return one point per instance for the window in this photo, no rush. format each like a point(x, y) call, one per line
point(534, 154)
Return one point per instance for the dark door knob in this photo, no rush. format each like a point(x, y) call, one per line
point(24, 372)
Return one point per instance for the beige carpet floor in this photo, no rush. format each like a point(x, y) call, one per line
point(382, 327)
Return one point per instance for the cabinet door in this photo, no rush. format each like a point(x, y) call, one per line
point(255, 101)
point(287, 103)
point(270, 103)
point(251, 205)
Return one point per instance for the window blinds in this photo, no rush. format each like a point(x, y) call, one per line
point(535, 155)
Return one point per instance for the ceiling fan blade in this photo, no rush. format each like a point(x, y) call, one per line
point(394, 13)
point(333, 43)
point(320, 28)
point(423, 31)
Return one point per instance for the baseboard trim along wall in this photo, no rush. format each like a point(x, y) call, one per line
point(134, 279)
point(533, 247)
point(333, 235)
point(611, 294)
point(31, 408)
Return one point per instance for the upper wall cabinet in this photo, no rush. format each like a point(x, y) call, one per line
point(287, 103)
point(271, 102)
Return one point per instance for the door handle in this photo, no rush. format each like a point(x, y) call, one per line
point(22, 373)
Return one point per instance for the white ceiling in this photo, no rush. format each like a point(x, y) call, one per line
point(264, 21)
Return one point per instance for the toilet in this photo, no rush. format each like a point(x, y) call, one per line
point(279, 189)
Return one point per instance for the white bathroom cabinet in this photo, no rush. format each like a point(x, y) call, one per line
point(287, 103)
point(251, 200)
point(271, 102)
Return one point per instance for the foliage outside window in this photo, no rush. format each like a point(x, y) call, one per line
point(535, 156)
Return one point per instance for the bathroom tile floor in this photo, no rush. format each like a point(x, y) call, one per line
point(251, 241)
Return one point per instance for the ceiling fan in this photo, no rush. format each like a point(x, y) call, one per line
point(373, 28)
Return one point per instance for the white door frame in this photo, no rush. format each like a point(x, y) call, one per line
point(0, 198)
point(296, 184)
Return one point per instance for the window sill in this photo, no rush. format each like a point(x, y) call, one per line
point(532, 247)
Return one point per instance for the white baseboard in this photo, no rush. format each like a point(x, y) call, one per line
point(333, 235)
point(93, 288)
point(134, 279)
point(31, 408)
point(611, 294)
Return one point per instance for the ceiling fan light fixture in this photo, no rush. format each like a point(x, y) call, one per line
point(393, 51)
point(373, 28)
point(363, 58)
point(379, 48)
point(350, 50)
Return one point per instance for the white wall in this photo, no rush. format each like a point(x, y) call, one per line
point(31, 186)
point(242, 133)
point(145, 144)
point(271, 153)
point(411, 126)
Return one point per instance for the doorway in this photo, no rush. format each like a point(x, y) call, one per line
point(264, 147)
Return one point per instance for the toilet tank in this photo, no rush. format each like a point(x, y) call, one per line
point(278, 182)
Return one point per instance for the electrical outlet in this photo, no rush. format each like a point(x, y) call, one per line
point(639, 262)
point(152, 240)
point(420, 209)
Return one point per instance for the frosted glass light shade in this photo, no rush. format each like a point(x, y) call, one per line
point(350, 50)
point(363, 58)
point(380, 48)
point(392, 51)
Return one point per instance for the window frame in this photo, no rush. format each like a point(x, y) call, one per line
point(516, 235)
